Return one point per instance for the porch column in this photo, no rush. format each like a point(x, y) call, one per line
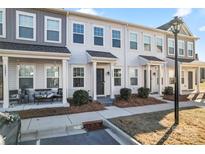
point(198, 79)
point(160, 80)
point(5, 83)
point(94, 81)
point(148, 76)
point(64, 79)
point(111, 81)
point(180, 79)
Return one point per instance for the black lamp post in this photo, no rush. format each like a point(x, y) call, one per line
point(175, 28)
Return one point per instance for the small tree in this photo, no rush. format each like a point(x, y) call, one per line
point(143, 92)
point(80, 97)
point(168, 90)
point(125, 93)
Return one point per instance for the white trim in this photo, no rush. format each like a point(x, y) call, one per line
point(159, 37)
point(137, 33)
point(17, 25)
point(78, 66)
point(151, 37)
point(183, 42)
point(93, 35)
point(116, 29)
point(191, 43)
point(3, 22)
point(81, 23)
point(59, 30)
point(170, 39)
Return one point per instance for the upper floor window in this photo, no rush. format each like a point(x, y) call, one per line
point(133, 76)
point(133, 41)
point(2, 22)
point(159, 42)
point(171, 46)
point(190, 49)
point(78, 33)
point(26, 25)
point(117, 77)
point(52, 29)
point(78, 77)
point(147, 43)
point(116, 39)
point(52, 77)
point(181, 47)
point(98, 36)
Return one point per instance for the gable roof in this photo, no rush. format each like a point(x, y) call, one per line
point(151, 58)
point(100, 54)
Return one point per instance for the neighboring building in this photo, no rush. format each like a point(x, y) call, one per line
point(53, 48)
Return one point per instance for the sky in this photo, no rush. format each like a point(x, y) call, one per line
point(194, 18)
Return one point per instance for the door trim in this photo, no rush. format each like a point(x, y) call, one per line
point(192, 80)
point(101, 67)
point(1, 99)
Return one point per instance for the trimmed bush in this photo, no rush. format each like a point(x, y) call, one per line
point(143, 92)
point(80, 97)
point(125, 93)
point(168, 90)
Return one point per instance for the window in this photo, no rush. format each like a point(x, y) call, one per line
point(26, 25)
point(171, 46)
point(190, 49)
point(78, 33)
point(133, 77)
point(2, 23)
point(52, 77)
point(26, 76)
point(181, 47)
point(78, 77)
point(182, 78)
point(159, 42)
point(133, 41)
point(116, 39)
point(52, 29)
point(147, 43)
point(117, 77)
point(202, 75)
point(171, 80)
point(98, 36)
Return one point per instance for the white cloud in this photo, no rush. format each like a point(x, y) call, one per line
point(88, 11)
point(182, 12)
point(202, 29)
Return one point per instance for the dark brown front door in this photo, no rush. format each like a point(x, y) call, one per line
point(1, 82)
point(100, 81)
point(190, 80)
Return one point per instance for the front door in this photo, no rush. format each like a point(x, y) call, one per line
point(190, 80)
point(100, 81)
point(1, 82)
point(154, 84)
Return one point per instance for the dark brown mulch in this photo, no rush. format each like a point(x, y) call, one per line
point(92, 106)
point(135, 100)
point(187, 97)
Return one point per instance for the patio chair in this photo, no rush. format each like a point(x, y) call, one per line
point(59, 94)
point(14, 95)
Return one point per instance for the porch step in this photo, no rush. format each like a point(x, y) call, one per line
point(105, 100)
point(52, 132)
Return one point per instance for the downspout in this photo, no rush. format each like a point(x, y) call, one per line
point(125, 55)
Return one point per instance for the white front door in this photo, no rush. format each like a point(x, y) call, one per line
point(154, 80)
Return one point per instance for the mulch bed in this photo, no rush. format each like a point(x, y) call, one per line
point(184, 98)
point(135, 100)
point(158, 127)
point(32, 113)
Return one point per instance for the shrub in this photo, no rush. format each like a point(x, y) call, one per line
point(125, 93)
point(168, 90)
point(143, 92)
point(80, 97)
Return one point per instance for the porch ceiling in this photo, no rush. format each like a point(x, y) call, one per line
point(186, 62)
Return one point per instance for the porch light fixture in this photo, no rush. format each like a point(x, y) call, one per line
point(176, 24)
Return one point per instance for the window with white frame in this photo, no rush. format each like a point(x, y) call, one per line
point(190, 49)
point(133, 41)
point(78, 33)
point(181, 47)
point(147, 43)
point(2, 22)
point(52, 77)
point(159, 42)
point(182, 77)
point(52, 29)
point(117, 77)
point(26, 25)
point(170, 46)
point(133, 72)
point(98, 36)
point(26, 76)
point(78, 77)
point(116, 39)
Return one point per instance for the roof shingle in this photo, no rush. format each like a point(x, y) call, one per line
point(151, 58)
point(183, 60)
point(100, 54)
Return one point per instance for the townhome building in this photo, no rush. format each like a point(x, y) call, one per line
point(66, 51)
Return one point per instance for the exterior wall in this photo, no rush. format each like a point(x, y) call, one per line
point(11, 26)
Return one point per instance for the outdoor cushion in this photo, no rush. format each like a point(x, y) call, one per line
point(50, 95)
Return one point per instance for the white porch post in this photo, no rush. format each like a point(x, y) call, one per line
point(5, 83)
point(148, 76)
point(180, 79)
point(112, 81)
point(198, 79)
point(160, 80)
point(94, 81)
point(64, 79)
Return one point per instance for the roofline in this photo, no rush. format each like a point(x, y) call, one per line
point(126, 23)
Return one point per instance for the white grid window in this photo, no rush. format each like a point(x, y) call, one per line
point(133, 72)
point(171, 46)
point(181, 47)
point(116, 39)
point(159, 42)
point(26, 76)
point(2, 22)
point(78, 33)
point(133, 41)
point(190, 49)
point(78, 77)
point(147, 43)
point(98, 36)
point(117, 77)
point(52, 76)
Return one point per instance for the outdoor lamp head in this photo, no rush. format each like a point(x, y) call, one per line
point(176, 24)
